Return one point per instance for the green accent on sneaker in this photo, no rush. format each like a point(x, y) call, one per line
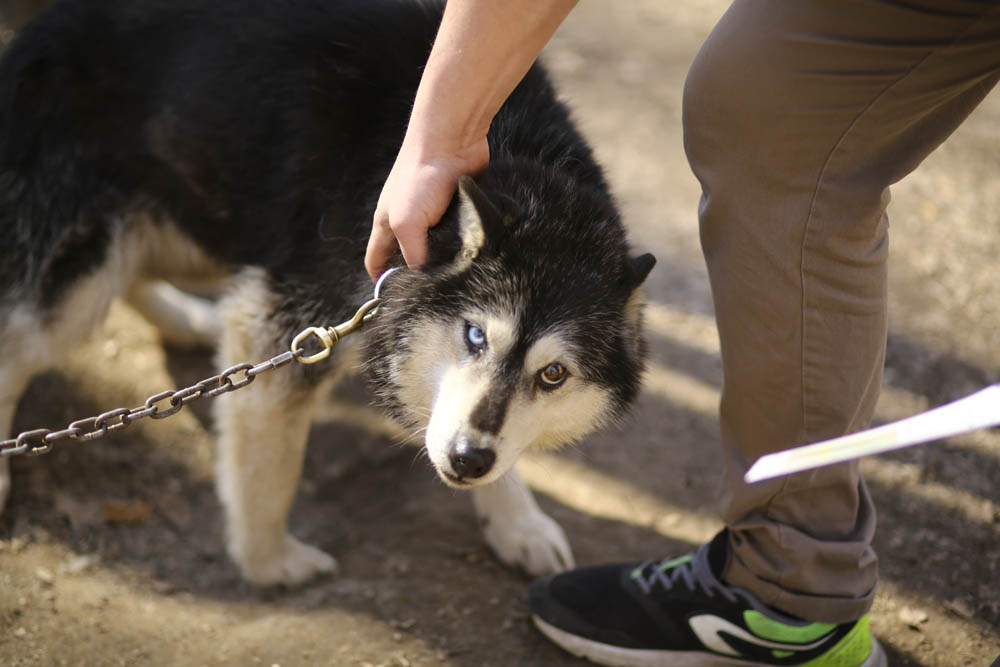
point(851, 651)
point(674, 562)
point(666, 565)
point(768, 628)
point(782, 654)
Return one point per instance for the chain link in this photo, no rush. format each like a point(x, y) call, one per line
point(170, 402)
point(158, 406)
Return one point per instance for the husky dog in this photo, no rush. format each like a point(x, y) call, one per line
point(141, 138)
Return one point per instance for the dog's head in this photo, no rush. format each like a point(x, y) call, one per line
point(523, 330)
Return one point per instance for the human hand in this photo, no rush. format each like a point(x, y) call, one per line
point(416, 194)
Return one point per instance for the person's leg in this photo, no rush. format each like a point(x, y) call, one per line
point(797, 118)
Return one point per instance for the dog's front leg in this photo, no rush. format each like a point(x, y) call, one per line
point(263, 430)
point(516, 528)
point(262, 443)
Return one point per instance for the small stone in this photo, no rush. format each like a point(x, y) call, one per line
point(913, 617)
point(20, 633)
point(79, 563)
point(44, 575)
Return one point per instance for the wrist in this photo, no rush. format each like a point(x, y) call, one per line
point(443, 123)
point(463, 151)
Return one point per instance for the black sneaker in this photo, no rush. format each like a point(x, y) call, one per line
point(676, 612)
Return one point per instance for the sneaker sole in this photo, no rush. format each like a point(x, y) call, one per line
point(616, 656)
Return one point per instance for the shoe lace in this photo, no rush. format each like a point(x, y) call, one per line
point(689, 571)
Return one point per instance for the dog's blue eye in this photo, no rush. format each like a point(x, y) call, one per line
point(475, 336)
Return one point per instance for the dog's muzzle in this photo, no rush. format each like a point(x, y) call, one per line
point(469, 460)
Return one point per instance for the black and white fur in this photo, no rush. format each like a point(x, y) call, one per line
point(140, 139)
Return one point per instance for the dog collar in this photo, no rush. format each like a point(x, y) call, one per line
point(381, 279)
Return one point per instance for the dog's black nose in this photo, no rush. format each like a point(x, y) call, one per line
point(469, 461)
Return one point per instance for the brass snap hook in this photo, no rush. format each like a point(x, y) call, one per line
point(324, 338)
point(327, 337)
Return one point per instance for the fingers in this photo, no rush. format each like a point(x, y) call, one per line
point(412, 201)
point(381, 245)
point(407, 231)
point(410, 236)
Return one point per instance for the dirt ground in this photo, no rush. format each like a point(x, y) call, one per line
point(110, 552)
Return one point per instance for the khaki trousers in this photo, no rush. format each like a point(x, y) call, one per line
point(798, 116)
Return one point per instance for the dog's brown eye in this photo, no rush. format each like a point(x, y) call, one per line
point(552, 375)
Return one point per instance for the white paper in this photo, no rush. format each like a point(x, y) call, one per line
point(976, 411)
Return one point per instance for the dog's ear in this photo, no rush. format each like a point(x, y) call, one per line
point(639, 268)
point(473, 219)
point(479, 215)
point(479, 219)
point(475, 211)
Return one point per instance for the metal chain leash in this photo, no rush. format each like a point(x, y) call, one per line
point(41, 441)
point(170, 402)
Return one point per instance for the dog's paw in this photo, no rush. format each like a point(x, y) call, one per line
point(531, 541)
point(294, 563)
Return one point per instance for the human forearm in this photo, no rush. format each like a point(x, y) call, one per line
point(482, 50)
